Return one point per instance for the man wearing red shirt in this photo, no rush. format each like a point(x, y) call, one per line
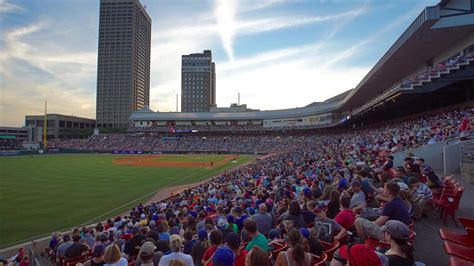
point(216, 238)
point(233, 241)
point(346, 216)
point(464, 125)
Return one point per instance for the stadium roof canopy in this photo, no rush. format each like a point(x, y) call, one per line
point(434, 30)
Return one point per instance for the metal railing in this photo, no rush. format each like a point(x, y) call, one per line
point(33, 257)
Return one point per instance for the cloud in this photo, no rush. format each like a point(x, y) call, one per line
point(33, 68)
point(225, 15)
point(34, 74)
point(273, 24)
point(6, 7)
point(287, 84)
point(228, 26)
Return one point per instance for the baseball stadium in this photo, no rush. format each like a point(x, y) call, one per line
point(382, 174)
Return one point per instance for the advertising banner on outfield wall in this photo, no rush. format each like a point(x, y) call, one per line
point(127, 152)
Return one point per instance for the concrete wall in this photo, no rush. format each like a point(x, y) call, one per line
point(444, 157)
point(433, 155)
point(452, 158)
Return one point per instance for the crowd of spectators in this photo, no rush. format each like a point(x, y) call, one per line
point(407, 134)
point(189, 128)
point(10, 145)
point(307, 194)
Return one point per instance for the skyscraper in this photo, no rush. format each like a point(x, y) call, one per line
point(123, 63)
point(198, 82)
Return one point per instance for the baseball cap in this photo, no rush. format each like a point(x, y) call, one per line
point(320, 207)
point(306, 191)
point(223, 256)
point(202, 234)
point(355, 183)
point(147, 249)
point(359, 254)
point(273, 233)
point(251, 210)
point(174, 230)
point(230, 218)
point(221, 223)
point(304, 232)
point(403, 186)
point(99, 250)
point(397, 229)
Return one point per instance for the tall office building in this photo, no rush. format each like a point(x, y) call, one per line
point(123, 63)
point(198, 82)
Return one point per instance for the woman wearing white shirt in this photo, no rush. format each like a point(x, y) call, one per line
point(113, 256)
point(176, 254)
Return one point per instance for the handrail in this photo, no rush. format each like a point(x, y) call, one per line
point(468, 136)
point(33, 257)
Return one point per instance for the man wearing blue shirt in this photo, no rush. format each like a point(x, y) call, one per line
point(394, 209)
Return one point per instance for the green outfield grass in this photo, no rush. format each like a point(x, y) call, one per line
point(42, 194)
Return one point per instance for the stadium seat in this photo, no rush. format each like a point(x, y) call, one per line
point(277, 248)
point(374, 243)
point(462, 239)
point(459, 251)
point(320, 260)
point(466, 222)
point(330, 248)
point(74, 261)
point(450, 204)
point(455, 261)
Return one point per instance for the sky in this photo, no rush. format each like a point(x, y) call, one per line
point(277, 54)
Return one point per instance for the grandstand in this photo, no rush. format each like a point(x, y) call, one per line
point(356, 174)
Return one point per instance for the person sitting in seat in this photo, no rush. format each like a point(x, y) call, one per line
point(296, 254)
point(328, 229)
point(394, 209)
point(400, 252)
point(258, 239)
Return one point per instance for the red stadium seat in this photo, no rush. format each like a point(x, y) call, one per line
point(277, 248)
point(74, 261)
point(450, 204)
point(462, 239)
point(466, 222)
point(462, 252)
point(330, 248)
point(374, 243)
point(320, 260)
point(455, 261)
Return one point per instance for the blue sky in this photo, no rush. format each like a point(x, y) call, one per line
point(277, 54)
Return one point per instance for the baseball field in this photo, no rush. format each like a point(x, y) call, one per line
point(45, 193)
